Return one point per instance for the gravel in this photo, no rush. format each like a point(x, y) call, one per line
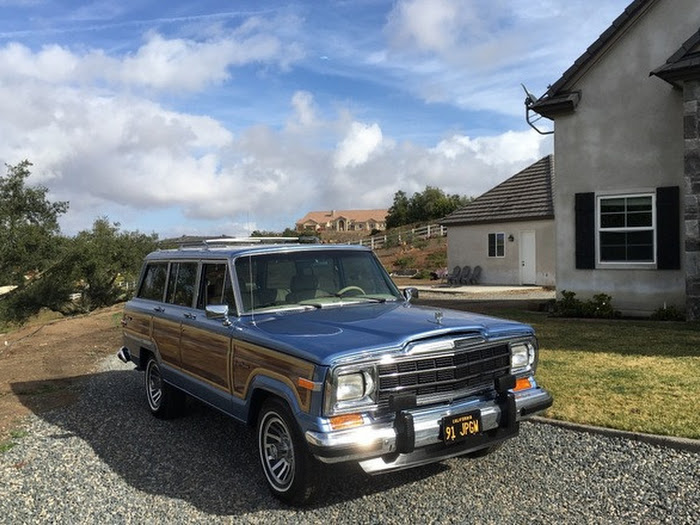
point(106, 460)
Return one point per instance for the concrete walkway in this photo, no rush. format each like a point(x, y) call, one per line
point(486, 293)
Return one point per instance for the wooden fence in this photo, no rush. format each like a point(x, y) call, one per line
point(397, 237)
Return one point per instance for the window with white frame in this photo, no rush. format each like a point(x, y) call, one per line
point(497, 245)
point(626, 225)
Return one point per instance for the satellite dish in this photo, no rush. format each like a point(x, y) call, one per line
point(530, 99)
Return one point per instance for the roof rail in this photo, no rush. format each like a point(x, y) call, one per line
point(237, 241)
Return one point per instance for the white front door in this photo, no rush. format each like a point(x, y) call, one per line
point(528, 257)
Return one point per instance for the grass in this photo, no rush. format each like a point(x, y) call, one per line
point(14, 435)
point(641, 376)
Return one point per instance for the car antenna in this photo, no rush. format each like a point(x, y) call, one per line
point(250, 286)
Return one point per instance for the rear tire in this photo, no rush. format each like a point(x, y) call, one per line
point(290, 470)
point(164, 400)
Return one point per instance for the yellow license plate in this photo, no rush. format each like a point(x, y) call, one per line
point(460, 427)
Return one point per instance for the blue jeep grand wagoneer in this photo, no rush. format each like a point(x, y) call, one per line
point(316, 347)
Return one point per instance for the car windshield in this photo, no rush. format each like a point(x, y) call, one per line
point(312, 278)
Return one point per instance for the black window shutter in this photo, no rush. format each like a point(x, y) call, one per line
point(585, 231)
point(668, 230)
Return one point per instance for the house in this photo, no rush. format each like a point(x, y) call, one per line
point(343, 220)
point(509, 230)
point(627, 144)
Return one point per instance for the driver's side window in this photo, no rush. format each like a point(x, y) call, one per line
point(215, 286)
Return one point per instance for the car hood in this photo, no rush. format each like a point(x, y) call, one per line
point(326, 335)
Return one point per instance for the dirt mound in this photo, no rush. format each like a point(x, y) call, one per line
point(42, 366)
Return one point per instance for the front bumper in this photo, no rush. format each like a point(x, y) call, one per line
point(413, 437)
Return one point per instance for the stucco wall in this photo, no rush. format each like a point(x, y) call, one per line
point(626, 135)
point(468, 245)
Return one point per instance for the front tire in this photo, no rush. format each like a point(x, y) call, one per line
point(164, 400)
point(289, 468)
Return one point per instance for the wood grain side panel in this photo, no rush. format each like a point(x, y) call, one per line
point(251, 360)
point(206, 354)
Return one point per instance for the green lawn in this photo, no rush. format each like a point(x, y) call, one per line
point(642, 376)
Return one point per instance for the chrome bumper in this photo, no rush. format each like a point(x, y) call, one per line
point(381, 445)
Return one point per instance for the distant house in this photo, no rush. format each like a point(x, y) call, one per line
point(509, 230)
point(343, 220)
point(627, 144)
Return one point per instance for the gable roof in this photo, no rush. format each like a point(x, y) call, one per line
point(527, 195)
point(323, 217)
point(557, 99)
point(683, 64)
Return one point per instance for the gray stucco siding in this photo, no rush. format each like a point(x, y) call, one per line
point(468, 245)
point(626, 137)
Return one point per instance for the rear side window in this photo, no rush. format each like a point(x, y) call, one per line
point(182, 282)
point(153, 284)
point(215, 286)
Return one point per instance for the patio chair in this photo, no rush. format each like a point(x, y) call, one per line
point(453, 278)
point(465, 275)
point(476, 275)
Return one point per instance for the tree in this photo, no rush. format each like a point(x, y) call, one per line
point(398, 212)
point(28, 225)
point(104, 262)
point(425, 206)
point(99, 264)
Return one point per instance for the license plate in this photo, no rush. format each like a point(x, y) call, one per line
point(460, 427)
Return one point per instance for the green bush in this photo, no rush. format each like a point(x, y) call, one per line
point(670, 313)
point(437, 259)
point(422, 274)
point(600, 306)
point(407, 261)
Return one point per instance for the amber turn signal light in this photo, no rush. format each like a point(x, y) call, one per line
point(522, 383)
point(346, 421)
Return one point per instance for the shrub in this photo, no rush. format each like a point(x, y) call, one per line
point(405, 262)
point(421, 274)
point(600, 306)
point(670, 313)
point(437, 259)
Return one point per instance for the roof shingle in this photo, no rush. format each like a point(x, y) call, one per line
point(527, 195)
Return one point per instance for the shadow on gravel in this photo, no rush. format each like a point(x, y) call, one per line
point(204, 458)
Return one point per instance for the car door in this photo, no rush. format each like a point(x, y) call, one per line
point(179, 298)
point(205, 344)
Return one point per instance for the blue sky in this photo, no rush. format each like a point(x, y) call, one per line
point(215, 117)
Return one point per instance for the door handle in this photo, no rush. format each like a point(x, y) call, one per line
point(190, 316)
point(159, 309)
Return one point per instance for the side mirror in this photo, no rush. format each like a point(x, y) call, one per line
point(410, 293)
point(218, 311)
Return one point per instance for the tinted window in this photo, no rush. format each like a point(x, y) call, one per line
point(181, 283)
point(153, 284)
point(215, 286)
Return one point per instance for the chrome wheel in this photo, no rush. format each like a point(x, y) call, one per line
point(276, 451)
point(154, 385)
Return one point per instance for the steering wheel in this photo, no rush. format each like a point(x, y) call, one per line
point(351, 288)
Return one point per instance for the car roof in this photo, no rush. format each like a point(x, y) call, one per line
point(232, 251)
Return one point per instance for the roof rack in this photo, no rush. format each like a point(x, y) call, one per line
point(237, 241)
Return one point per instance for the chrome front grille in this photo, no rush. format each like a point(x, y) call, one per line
point(467, 369)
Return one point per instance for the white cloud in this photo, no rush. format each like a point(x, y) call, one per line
point(171, 64)
point(92, 125)
point(357, 146)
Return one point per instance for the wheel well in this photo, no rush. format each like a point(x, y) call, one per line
point(144, 356)
point(257, 399)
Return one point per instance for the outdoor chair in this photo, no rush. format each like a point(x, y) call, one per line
point(453, 278)
point(476, 275)
point(466, 275)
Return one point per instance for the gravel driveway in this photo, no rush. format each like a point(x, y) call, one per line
point(106, 460)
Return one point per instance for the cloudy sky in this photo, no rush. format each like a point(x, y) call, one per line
point(219, 117)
